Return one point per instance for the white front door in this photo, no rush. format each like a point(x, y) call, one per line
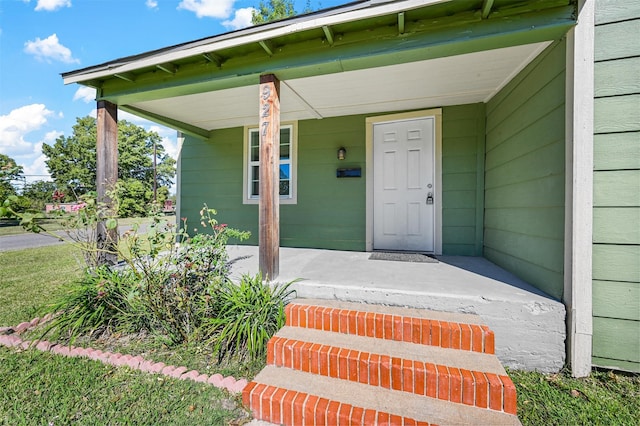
point(404, 185)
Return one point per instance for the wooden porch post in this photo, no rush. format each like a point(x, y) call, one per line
point(106, 176)
point(269, 207)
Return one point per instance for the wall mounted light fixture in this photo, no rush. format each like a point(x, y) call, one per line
point(342, 153)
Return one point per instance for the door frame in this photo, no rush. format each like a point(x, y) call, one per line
point(436, 114)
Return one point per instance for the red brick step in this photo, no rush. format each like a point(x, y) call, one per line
point(347, 363)
point(423, 327)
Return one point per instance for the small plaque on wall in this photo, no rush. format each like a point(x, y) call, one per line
point(355, 172)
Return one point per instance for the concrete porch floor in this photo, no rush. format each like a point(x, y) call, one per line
point(528, 324)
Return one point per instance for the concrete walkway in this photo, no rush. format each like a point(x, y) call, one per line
point(529, 325)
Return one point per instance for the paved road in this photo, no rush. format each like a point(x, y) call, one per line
point(30, 240)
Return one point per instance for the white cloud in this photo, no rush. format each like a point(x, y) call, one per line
point(208, 8)
point(242, 19)
point(86, 94)
point(51, 5)
point(49, 49)
point(152, 4)
point(17, 124)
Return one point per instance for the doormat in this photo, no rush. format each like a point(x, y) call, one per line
point(402, 257)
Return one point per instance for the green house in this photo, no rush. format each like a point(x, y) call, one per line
point(507, 129)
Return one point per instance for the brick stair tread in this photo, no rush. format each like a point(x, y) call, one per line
point(461, 318)
point(384, 400)
point(472, 361)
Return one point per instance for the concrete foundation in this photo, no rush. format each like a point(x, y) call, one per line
point(529, 325)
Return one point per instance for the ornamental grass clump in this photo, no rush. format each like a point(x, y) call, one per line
point(103, 301)
point(246, 316)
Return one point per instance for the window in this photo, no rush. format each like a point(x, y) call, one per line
point(287, 165)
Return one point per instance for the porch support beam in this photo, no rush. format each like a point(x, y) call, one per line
point(214, 58)
point(486, 8)
point(269, 207)
point(169, 68)
point(106, 177)
point(267, 46)
point(126, 76)
point(328, 33)
point(183, 127)
point(578, 239)
point(401, 26)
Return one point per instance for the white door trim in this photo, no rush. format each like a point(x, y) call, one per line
point(370, 121)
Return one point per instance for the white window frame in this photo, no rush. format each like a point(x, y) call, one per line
point(292, 198)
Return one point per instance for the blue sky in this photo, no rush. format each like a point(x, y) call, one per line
point(39, 39)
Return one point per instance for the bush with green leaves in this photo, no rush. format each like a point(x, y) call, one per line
point(168, 284)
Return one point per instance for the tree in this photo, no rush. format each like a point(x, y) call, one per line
point(39, 193)
point(72, 164)
point(9, 171)
point(273, 10)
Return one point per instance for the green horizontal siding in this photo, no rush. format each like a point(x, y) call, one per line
point(617, 340)
point(462, 179)
point(614, 225)
point(615, 41)
point(616, 10)
point(616, 151)
point(617, 299)
point(617, 113)
point(616, 186)
point(330, 212)
point(524, 176)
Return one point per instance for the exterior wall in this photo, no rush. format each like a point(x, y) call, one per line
point(616, 181)
point(463, 179)
point(330, 212)
point(524, 177)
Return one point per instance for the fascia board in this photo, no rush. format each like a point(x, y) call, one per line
point(254, 37)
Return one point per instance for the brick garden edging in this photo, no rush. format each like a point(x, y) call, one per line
point(9, 337)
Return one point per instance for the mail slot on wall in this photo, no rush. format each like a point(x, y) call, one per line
point(349, 173)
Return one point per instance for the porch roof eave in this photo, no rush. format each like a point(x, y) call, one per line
point(349, 12)
point(172, 93)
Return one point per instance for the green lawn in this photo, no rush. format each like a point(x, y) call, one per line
point(41, 388)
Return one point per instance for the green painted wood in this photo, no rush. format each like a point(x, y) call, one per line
point(169, 122)
point(370, 46)
point(541, 221)
point(615, 364)
point(544, 279)
point(524, 176)
point(330, 212)
point(616, 262)
point(616, 299)
point(617, 188)
point(536, 107)
point(528, 166)
point(615, 151)
point(616, 339)
point(548, 253)
point(619, 77)
point(462, 174)
point(459, 249)
point(547, 192)
point(616, 10)
point(617, 114)
point(614, 225)
point(619, 40)
point(458, 181)
point(536, 79)
point(546, 130)
point(480, 183)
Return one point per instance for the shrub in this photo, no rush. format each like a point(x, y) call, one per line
point(246, 315)
point(102, 301)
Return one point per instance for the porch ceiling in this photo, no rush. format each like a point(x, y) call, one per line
point(467, 78)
